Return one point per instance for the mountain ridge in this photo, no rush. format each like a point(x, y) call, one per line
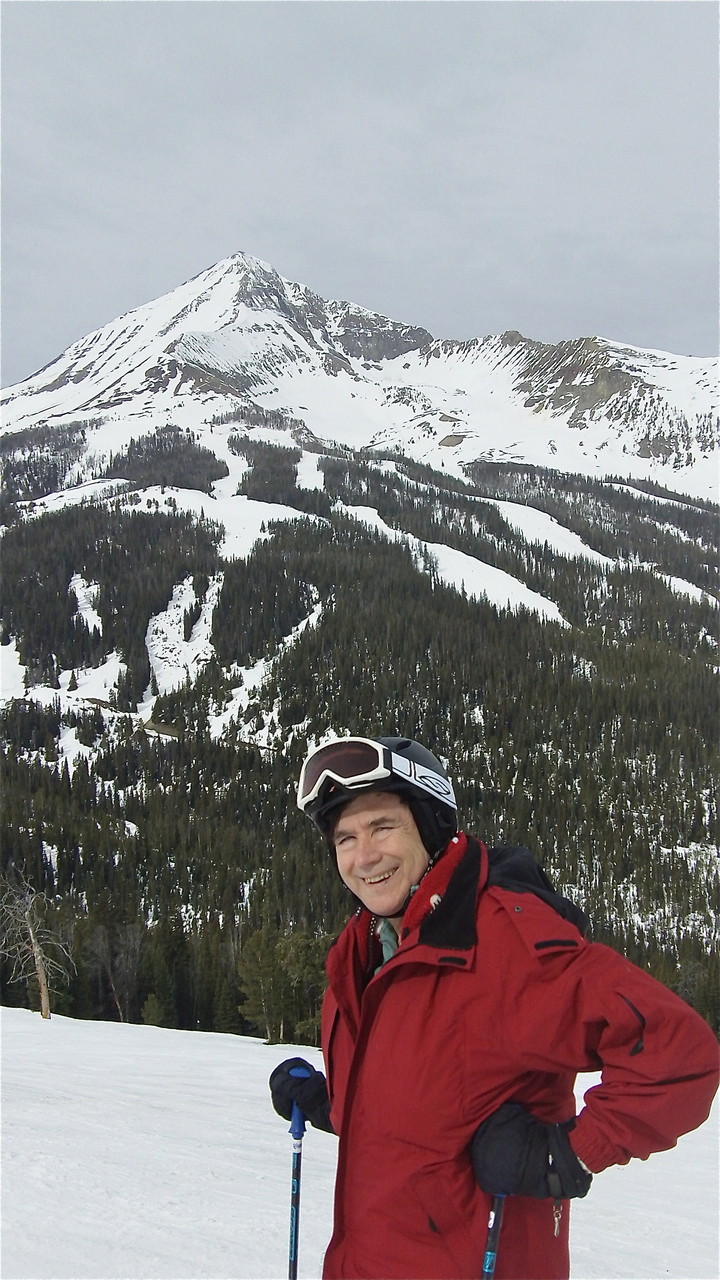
point(238, 336)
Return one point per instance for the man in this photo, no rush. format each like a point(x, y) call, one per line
point(463, 999)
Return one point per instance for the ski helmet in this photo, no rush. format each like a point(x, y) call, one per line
point(337, 772)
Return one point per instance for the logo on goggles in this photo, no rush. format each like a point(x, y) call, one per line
point(427, 779)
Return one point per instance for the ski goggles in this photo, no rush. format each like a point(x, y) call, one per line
point(359, 762)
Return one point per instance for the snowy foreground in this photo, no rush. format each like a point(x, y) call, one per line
point(136, 1152)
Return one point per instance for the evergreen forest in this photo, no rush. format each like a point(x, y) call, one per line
point(177, 869)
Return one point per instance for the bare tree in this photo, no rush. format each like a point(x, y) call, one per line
point(26, 939)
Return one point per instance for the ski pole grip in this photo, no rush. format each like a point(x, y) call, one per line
point(297, 1119)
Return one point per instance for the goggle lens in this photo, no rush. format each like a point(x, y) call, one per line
point(349, 760)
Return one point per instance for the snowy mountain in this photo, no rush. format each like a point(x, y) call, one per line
point(240, 341)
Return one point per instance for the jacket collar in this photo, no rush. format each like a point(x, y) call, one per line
point(443, 911)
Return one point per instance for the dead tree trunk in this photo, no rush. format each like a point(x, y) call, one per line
point(39, 962)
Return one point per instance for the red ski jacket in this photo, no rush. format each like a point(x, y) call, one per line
point(493, 995)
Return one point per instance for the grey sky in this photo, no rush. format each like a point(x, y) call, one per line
point(473, 166)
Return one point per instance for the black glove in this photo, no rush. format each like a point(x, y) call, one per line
point(515, 1154)
point(309, 1091)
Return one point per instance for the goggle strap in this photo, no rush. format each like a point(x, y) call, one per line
point(436, 786)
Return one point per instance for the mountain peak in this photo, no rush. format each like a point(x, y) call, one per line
point(239, 338)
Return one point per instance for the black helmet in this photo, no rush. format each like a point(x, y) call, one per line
point(337, 772)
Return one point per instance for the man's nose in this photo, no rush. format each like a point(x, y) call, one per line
point(366, 855)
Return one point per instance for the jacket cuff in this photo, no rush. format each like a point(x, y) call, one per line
point(594, 1154)
point(320, 1118)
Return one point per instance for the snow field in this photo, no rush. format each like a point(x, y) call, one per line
point(138, 1153)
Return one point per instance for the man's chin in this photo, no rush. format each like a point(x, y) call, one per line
point(387, 910)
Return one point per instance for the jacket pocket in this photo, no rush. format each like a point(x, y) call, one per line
point(451, 1227)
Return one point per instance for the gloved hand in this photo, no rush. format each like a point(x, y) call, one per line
point(309, 1091)
point(514, 1153)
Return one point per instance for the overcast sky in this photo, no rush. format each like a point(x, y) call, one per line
point(472, 166)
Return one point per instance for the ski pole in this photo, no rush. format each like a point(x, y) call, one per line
point(493, 1237)
point(297, 1129)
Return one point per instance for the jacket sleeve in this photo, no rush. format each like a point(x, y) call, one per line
point(658, 1058)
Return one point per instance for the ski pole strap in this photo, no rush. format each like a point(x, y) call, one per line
point(297, 1119)
point(493, 1237)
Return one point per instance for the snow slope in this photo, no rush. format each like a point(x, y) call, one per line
point(465, 573)
point(134, 1153)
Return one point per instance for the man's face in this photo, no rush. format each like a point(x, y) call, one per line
point(379, 852)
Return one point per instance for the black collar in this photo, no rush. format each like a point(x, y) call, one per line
point(452, 923)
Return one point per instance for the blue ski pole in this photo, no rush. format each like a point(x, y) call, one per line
point(297, 1129)
point(493, 1237)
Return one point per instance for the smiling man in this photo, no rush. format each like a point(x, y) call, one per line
point(463, 999)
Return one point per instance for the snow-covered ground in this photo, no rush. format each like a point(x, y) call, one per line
point(136, 1153)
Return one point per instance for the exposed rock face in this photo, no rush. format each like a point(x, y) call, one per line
point(366, 336)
